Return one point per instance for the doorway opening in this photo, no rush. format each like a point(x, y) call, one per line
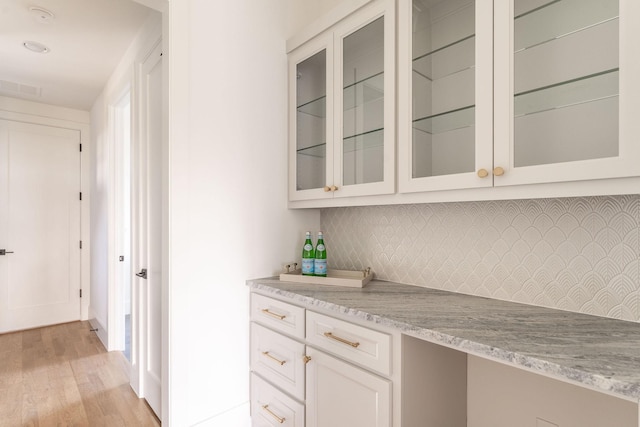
point(122, 139)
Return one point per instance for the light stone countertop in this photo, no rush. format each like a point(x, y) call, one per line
point(601, 353)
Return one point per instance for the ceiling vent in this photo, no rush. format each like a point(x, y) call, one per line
point(19, 89)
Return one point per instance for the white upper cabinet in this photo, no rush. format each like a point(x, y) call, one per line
point(497, 99)
point(342, 108)
point(446, 93)
point(517, 92)
point(566, 90)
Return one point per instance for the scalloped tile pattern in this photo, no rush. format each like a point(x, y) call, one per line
point(576, 254)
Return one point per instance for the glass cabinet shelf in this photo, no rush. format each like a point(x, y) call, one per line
point(317, 150)
point(316, 107)
point(362, 141)
point(446, 60)
point(447, 121)
point(557, 19)
point(364, 91)
point(583, 90)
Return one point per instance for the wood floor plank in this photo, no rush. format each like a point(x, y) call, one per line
point(62, 376)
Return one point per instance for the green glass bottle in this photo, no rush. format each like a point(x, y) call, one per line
point(320, 264)
point(308, 256)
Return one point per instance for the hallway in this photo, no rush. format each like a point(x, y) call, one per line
point(61, 376)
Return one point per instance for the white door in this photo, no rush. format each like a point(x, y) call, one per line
point(148, 241)
point(39, 225)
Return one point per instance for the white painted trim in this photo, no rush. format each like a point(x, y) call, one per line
point(338, 13)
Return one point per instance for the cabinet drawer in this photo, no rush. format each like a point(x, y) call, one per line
point(278, 359)
point(369, 348)
point(278, 315)
point(270, 407)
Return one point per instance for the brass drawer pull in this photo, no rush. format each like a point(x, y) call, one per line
point(275, 417)
point(281, 362)
point(342, 340)
point(272, 314)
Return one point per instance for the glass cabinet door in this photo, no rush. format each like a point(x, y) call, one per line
point(564, 111)
point(365, 101)
point(443, 96)
point(310, 122)
point(363, 105)
point(446, 77)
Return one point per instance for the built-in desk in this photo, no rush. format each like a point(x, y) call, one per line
point(513, 351)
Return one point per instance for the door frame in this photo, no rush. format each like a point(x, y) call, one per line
point(130, 85)
point(115, 309)
point(130, 78)
point(140, 232)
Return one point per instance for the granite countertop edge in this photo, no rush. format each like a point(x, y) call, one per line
point(601, 382)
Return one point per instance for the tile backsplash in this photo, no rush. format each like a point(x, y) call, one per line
point(576, 254)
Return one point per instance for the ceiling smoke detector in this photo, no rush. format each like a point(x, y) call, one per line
point(41, 15)
point(36, 47)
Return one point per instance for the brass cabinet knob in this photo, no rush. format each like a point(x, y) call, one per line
point(483, 173)
point(326, 188)
point(334, 188)
point(498, 171)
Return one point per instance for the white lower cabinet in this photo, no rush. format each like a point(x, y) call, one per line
point(293, 383)
point(342, 395)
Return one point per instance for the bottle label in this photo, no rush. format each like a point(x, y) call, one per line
point(308, 247)
point(307, 266)
point(320, 247)
point(320, 267)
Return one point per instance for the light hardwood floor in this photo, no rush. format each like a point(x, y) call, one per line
point(62, 376)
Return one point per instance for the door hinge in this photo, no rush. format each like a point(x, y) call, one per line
point(80, 293)
point(80, 244)
point(81, 148)
point(81, 195)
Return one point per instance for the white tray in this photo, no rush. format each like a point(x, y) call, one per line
point(352, 279)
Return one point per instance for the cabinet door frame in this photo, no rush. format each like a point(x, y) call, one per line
point(624, 165)
point(351, 24)
point(483, 106)
point(324, 42)
point(369, 380)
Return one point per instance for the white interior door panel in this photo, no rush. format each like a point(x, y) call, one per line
point(39, 224)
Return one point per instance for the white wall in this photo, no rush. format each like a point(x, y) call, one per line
point(102, 202)
point(228, 219)
point(302, 12)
